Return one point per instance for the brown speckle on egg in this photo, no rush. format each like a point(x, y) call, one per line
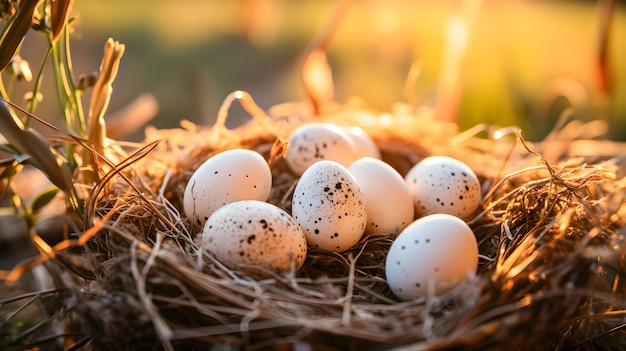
point(261, 234)
point(313, 142)
point(338, 223)
point(451, 254)
point(440, 184)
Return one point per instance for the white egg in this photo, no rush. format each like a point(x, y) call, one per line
point(388, 203)
point(364, 146)
point(430, 256)
point(441, 184)
point(329, 206)
point(232, 175)
point(252, 232)
point(314, 142)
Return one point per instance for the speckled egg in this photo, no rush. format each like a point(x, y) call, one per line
point(364, 146)
point(329, 206)
point(388, 203)
point(441, 184)
point(232, 175)
point(430, 256)
point(254, 233)
point(314, 142)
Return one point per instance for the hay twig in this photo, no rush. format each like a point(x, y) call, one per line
point(217, 136)
point(163, 331)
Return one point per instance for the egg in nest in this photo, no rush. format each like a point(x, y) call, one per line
point(249, 233)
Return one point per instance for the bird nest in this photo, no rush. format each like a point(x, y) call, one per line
point(550, 233)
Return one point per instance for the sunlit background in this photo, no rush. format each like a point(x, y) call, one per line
point(516, 58)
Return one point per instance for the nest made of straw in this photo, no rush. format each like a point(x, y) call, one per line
point(551, 238)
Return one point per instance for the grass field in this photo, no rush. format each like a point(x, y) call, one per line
point(191, 54)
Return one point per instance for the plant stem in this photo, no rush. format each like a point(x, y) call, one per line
point(76, 93)
point(32, 104)
point(3, 90)
point(57, 70)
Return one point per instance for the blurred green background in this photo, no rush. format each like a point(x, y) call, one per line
point(520, 57)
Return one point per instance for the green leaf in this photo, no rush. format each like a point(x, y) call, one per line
point(43, 199)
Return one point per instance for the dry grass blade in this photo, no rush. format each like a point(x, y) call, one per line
point(59, 10)
point(14, 35)
point(20, 269)
point(162, 329)
point(219, 130)
point(102, 91)
point(29, 142)
point(48, 253)
point(100, 97)
point(117, 170)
